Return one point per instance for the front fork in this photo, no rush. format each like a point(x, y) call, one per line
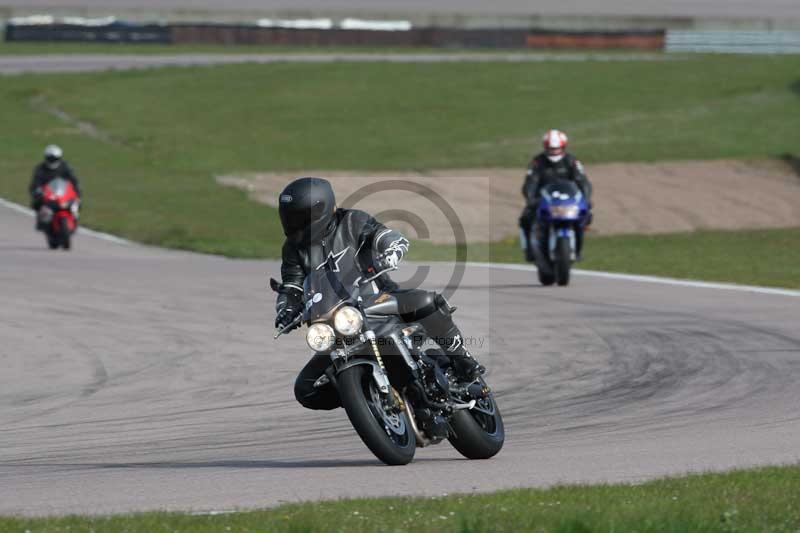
point(556, 233)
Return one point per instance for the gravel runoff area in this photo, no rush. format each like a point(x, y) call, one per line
point(690, 195)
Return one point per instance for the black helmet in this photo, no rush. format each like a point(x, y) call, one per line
point(307, 207)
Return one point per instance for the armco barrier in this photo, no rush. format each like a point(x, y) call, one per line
point(233, 34)
point(116, 33)
point(254, 34)
point(428, 37)
point(650, 40)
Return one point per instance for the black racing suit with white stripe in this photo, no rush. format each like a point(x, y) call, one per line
point(359, 238)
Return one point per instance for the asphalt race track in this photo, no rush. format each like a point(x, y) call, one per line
point(652, 8)
point(135, 378)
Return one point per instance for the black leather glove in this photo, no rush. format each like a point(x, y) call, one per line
point(289, 306)
point(388, 259)
point(391, 257)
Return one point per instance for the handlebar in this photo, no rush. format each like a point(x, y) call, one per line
point(379, 274)
point(299, 318)
point(292, 324)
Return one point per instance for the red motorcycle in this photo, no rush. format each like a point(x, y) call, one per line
point(58, 215)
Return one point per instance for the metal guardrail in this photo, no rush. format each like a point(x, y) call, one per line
point(734, 42)
point(74, 29)
point(323, 32)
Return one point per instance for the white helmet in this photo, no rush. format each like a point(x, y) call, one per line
point(555, 145)
point(53, 155)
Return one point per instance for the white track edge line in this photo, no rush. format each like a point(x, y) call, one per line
point(652, 279)
point(81, 230)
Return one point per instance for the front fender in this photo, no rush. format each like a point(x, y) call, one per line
point(378, 374)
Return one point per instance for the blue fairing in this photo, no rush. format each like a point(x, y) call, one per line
point(559, 197)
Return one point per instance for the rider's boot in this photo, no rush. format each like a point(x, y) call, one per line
point(529, 255)
point(526, 227)
point(442, 329)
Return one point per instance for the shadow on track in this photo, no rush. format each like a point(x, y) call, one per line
point(231, 464)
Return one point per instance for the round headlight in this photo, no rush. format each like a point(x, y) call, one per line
point(348, 321)
point(320, 337)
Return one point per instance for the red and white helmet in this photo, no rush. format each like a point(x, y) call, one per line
point(555, 145)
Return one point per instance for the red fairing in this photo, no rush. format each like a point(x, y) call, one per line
point(60, 195)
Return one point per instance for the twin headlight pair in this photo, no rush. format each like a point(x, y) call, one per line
point(347, 321)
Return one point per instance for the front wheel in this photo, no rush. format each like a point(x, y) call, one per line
point(384, 429)
point(563, 260)
point(546, 278)
point(478, 433)
point(65, 234)
point(52, 239)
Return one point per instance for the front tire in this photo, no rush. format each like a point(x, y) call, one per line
point(65, 234)
point(388, 435)
point(52, 240)
point(563, 260)
point(546, 278)
point(478, 433)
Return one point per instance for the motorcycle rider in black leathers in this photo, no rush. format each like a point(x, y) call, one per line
point(51, 168)
point(316, 231)
point(552, 164)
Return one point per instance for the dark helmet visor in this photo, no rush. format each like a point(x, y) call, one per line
point(298, 220)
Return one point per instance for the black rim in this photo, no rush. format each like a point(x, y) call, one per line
point(391, 420)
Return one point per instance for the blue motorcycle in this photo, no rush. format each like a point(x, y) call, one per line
point(562, 215)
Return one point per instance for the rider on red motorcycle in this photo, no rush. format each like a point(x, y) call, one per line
point(51, 168)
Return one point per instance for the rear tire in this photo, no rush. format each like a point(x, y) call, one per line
point(65, 234)
point(389, 437)
point(563, 261)
point(52, 240)
point(477, 435)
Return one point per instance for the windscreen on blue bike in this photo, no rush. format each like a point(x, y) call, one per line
point(561, 190)
point(326, 288)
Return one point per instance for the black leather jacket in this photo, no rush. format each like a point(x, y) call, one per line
point(542, 171)
point(356, 237)
point(42, 175)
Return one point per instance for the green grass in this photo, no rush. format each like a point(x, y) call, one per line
point(760, 500)
point(756, 257)
point(173, 130)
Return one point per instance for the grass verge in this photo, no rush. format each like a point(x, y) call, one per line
point(156, 139)
point(766, 499)
point(769, 257)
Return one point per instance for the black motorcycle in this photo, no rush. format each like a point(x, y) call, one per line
point(396, 385)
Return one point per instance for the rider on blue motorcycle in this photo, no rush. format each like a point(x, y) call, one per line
point(552, 164)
